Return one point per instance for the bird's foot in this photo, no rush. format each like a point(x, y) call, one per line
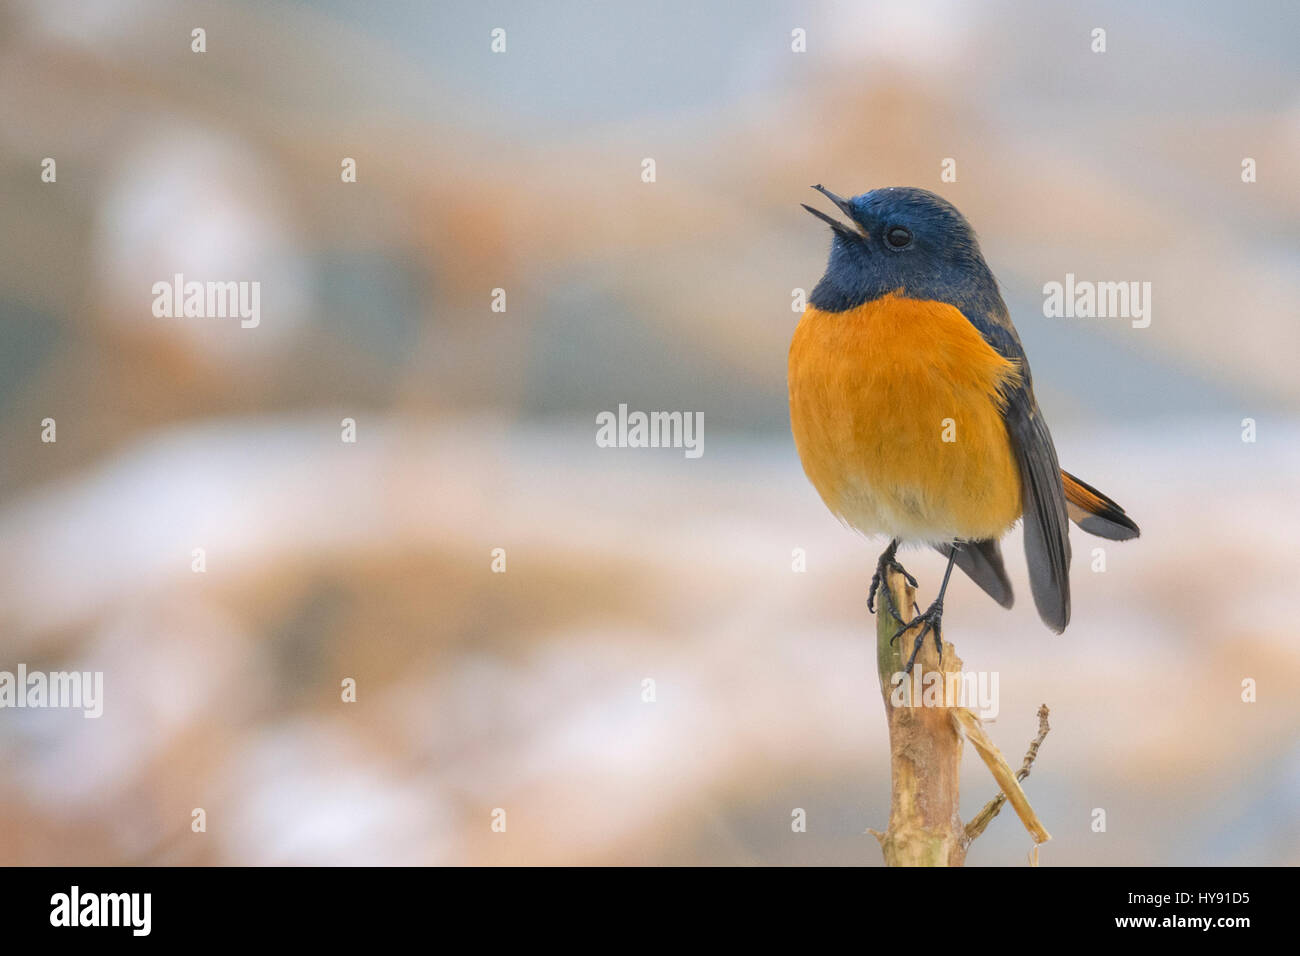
point(930, 620)
point(886, 564)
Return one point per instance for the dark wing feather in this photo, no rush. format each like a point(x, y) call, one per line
point(1046, 521)
point(982, 562)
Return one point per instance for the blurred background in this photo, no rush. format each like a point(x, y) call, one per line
point(522, 171)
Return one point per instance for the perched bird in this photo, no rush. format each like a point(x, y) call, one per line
point(913, 408)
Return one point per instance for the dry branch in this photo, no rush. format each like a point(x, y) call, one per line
point(925, 749)
point(925, 742)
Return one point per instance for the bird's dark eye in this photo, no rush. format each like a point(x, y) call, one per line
point(898, 237)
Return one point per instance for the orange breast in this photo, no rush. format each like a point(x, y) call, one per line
point(896, 413)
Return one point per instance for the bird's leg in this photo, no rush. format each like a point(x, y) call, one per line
point(886, 564)
point(932, 619)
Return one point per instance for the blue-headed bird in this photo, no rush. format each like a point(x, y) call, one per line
point(913, 409)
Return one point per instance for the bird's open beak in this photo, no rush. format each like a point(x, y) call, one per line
point(848, 232)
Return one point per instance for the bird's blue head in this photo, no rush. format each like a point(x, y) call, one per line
point(904, 240)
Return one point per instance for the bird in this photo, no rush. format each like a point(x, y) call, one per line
point(913, 413)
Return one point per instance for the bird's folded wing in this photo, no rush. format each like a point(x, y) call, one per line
point(1047, 541)
point(1046, 520)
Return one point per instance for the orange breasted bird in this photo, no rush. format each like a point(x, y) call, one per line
point(913, 408)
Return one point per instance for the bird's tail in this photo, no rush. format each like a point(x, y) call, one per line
point(1094, 512)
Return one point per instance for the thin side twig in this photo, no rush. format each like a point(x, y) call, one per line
point(994, 806)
